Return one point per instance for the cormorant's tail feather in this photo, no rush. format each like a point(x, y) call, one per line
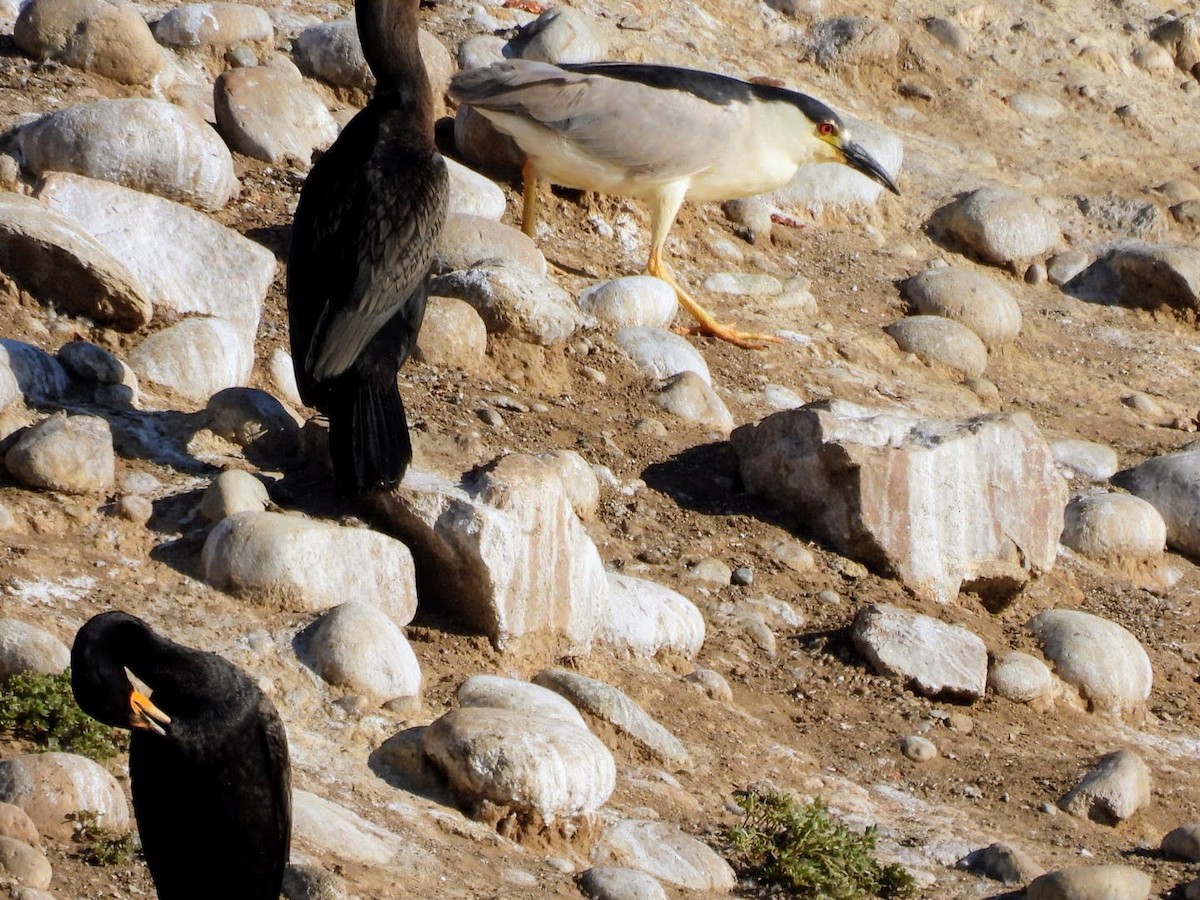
point(368, 433)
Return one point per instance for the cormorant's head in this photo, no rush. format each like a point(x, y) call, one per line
point(98, 678)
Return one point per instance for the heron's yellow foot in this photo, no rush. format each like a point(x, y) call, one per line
point(747, 340)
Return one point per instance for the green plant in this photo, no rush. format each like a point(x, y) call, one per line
point(98, 845)
point(42, 709)
point(804, 850)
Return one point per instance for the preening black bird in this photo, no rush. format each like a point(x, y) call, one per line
point(208, 760)
point(363, 239)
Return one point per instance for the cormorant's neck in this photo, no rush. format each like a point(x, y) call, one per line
point(387, 30)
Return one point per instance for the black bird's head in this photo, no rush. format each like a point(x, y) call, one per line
point(102, 648)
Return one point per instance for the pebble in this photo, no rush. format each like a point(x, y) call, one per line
point(949, 33)
point(51, 786)
point(1145, 404)
point(1112, 792)
point(617, 883)
point(1187, 213)
point(358, 648)
point(853, 41)
point(1036, 274)
point(690, 397)
point(240, 56)
point(794, 555)
point(633, 301)
point(662, 850)
point(1114, 527)
point(1102, 659)
point(559, 35)
point(1036, 106)
point(968, 297)
point(711, 570)
point(213, 25)
point(233, 491)
point(1112, 882)
point(267, 114)
point(752, 214)
point(452, 335)
point(1154, 59)
point(135, 508)
point(69, 454)
point(797, 296)
point(661, 353)
point(917, 748)
point(1064, 266)
point(468, 240)
point(28, 648)
point(24, 863)
point(1170, 482)
point(713, 684)
point(1002, 862)
point(256, 421)
point(744, 284)
point(109, 39)
point(515, 301)
point(313, 565)
point(147, 145)
point(936, 339)
point(743, 576)
point(1087, 458)
point(611, 705)
point(1001, 225)
point(1020, 677)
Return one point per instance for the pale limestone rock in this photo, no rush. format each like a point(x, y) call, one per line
point(232, 491)
point(1111, 882)
point(937, 339)
point(471, 194)
point(358, 648)
point(633, 301)
point(69, 454)
point(968, 297)
point(1002, 226)
point(645, 618)
point(310, 565)
point(1002, 862)
point(560, 35)
point(688, 396)
point(453, 334)
point(496, 692)
point(578, 478)
point(466, 241)
point(514, 300)
point(1113, 791)
point(213, 25)
point(330, 830)
point(15, 823)
point(1020, 677)
point(661, 849)
point(24, 863)
point(266, 114)
point(196, 357)
point(1087, 458)
point(49, 786)
point(973, 504)
point(618, 883)
point(1114, 527)
point(661, 353)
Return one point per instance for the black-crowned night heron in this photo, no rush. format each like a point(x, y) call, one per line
point(362, 242)
point(208, 759)
point(659, 133)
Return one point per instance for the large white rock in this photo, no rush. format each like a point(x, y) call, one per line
point(213, 25)
point(644, 618)
point(147, 145)
point(1020, 677)
point(514, 300)
point(938, 659)
point(630, 302)
point(503, 549)
point(49, 786)
point(1001, 225)
point(472, 194)
point(1110, 882)
point(59, 262)
point(27, 648)
point(1104, 661)
point(310, 565)
point(1113, 791)
point(937, 339)
point(661, 849)
point(271, 115)
point(1171, 483)
point(357, 647)
point(465, 241)
point(1086, 458)
point(522, 760)
point(661, 353)
point(329, 829)
point(196, 357)
point(973, 504)
point(496, 692)
point(70, 454)
point(1115, 527)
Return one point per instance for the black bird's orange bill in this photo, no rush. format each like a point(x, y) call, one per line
point(146, 714)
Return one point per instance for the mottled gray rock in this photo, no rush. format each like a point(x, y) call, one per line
point(1154, 59)
point(661, 353)
point(1112, 792)
point(1183, 842)
point(1153, 275)
point(495, 692)
point(917, 748)
point(633, 301)
point(1112, 882)
point(661, 849)
point(213, 25)
point(60, 263)
point(1115, 527)
point(1020, 677)
point(453, 334)
point(645, 618)
point(24, 863)
point(690, 397)
point(196, 357)
point(223, 274)
point(1123, 217)
point(69, 454)
point(1171, 483)
point(471, 194)
point(358, 648)
point(310, 565)
point(331, 830)
point(968, 297)
point(466, 241)
point(1002, 862)
point(976, 504)
point(38, 375)
point(1087, 458)
point(522, 760)
point(578, 479)
point(559, 35)
point(511, 556)
point(937, 339)
point(617, 883)
point(147, 145)
point(27, 648)
point(853, 41)
point(232, 491)
point(267, 114)
point(50, 786)
point(255, 421)
point(608, 704)
point(513, 300)
point(331, 52)
point(480, 50)
point(1180, 36)
point(937, 659)
point(1001, 226)
point(1102, 659)
point(107, 39)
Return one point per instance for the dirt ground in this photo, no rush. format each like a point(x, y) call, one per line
point(810, 717)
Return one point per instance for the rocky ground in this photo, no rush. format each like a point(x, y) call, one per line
point(1072, 105)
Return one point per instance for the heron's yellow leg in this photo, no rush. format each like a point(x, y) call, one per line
point(529, 193)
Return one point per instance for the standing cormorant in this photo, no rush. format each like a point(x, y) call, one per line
point(208, 760)
point(363, 239)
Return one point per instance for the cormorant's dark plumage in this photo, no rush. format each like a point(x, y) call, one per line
point(208, 760)
point(363, 239)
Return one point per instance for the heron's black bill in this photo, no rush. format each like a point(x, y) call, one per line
point(858, 158)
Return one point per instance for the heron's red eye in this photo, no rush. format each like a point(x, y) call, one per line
point(825, 129)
